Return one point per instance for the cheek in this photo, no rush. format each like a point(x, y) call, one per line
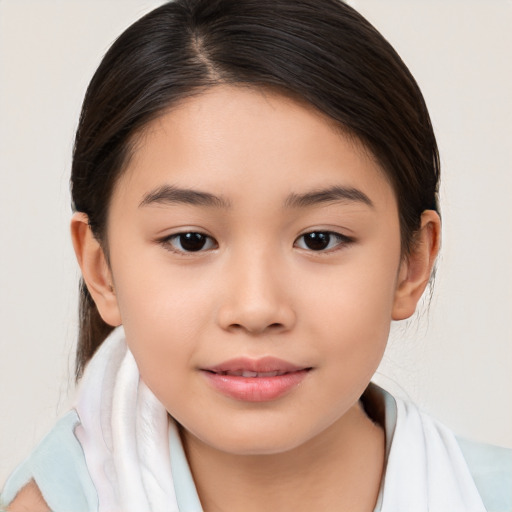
point(355, 298)
point(353, 339)
point(161, 321)
point(167, 314)
point(350, 315)
point(154, 295)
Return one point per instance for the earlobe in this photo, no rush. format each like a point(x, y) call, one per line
point(95, 269)
point(416, 269)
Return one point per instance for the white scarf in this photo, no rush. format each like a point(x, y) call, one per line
point(124, 433)
point(425, 470)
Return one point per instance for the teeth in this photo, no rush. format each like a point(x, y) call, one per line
point(248, 373)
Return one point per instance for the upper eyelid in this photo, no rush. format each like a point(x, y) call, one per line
point(327, 227)
point(184, 232)
point(204, 233)
point(328, 231)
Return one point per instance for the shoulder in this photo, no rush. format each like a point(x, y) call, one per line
point(29, 499)
point(491, 469)
point(55, 472)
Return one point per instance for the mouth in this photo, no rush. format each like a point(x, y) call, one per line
point(248, 367)
point(255, 380)
point(249, 374)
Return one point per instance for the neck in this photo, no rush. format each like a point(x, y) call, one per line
point(340, 469)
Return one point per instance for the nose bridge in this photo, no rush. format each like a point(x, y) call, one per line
point(255, 299)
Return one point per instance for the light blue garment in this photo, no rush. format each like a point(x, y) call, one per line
point(58, 467)
point(491, 469)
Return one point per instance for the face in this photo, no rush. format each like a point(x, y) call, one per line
point(254, 252)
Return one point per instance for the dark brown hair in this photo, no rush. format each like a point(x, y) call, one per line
point(319, 50)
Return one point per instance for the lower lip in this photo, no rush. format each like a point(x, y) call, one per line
point(255, 389)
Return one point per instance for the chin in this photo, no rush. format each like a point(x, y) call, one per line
point(251, 440)
point(259, 446)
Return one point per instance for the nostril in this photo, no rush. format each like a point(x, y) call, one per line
point(255, 317)
point(271, 327)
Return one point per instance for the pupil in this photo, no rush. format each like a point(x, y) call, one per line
point(192, 241)
point(317, 241)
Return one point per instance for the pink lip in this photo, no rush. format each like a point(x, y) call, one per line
point(226, 378)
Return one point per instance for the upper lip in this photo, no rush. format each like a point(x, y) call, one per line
point(262, 365)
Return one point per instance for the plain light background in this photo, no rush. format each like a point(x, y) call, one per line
point(454, 359)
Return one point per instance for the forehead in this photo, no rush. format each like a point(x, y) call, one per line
point(233, 140)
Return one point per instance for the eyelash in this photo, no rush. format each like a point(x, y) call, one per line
point(341, 241)
point(167, 242)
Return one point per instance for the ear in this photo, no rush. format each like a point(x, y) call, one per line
point(95, 269)
point(416, 268)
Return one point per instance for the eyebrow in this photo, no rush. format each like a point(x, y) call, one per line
point(332, 194)
point(169, 194)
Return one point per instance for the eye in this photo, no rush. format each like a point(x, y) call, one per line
point(321, 240)
point(189, 242)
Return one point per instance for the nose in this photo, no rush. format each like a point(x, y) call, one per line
point(256, 298)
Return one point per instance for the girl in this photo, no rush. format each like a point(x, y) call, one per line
point(255, 186)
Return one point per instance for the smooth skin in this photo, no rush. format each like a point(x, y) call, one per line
point(221, 246)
